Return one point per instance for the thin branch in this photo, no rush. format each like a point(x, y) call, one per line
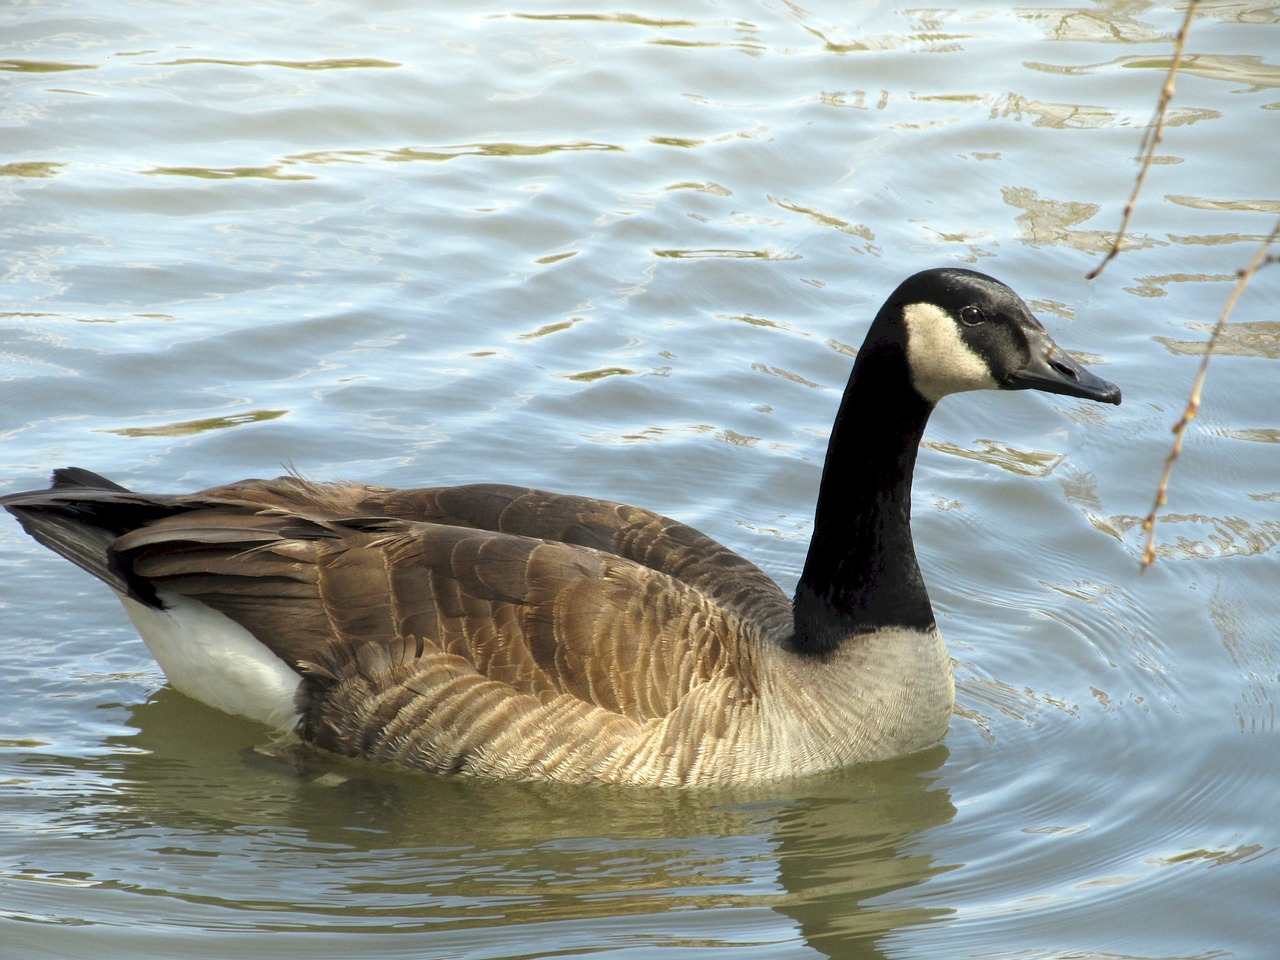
point(1260, 259)
point(1150, 139)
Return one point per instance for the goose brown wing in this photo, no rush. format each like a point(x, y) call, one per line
point(642, 536)
point(420, 636)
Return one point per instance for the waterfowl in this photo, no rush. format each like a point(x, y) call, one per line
point(506, 632)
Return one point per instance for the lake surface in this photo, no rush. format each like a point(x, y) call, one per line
point(630, 252)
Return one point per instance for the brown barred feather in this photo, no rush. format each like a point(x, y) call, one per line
point(429, 640)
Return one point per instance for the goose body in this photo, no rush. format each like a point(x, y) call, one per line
point(506, 632)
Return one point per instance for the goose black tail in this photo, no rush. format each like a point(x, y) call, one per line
point(80, 516)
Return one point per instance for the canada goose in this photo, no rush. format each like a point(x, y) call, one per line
point(507, 632)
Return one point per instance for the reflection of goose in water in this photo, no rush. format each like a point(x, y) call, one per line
point(252, 838)
point(511, 633)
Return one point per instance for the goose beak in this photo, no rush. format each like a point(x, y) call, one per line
point(1052, 370)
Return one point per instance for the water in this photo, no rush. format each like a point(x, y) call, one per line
point(630, 254)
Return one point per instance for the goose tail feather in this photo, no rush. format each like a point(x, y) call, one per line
point(81, 516)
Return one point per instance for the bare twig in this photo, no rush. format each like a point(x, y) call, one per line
point(1150, 139)
point(1260, 259)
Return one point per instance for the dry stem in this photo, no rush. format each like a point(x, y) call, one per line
point(1150, 139)
point(1260, 259)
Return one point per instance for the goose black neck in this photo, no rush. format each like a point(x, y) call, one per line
point(861, 573)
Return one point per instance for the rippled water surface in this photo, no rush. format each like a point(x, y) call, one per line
point(630, 252)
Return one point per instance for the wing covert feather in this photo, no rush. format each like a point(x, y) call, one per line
point(642, 536)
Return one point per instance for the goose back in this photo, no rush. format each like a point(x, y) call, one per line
point(485, 629)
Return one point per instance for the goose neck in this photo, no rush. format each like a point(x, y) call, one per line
point(861, 573)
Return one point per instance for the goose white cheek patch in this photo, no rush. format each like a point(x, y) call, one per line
point(940, 361)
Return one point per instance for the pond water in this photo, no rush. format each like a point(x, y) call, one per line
point(629, 252)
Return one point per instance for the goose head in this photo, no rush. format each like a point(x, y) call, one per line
point(962, 330)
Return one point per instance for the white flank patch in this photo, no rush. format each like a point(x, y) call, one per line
point(940, 361)
point(210, 657)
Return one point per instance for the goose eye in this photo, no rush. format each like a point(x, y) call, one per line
point(971, 316)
